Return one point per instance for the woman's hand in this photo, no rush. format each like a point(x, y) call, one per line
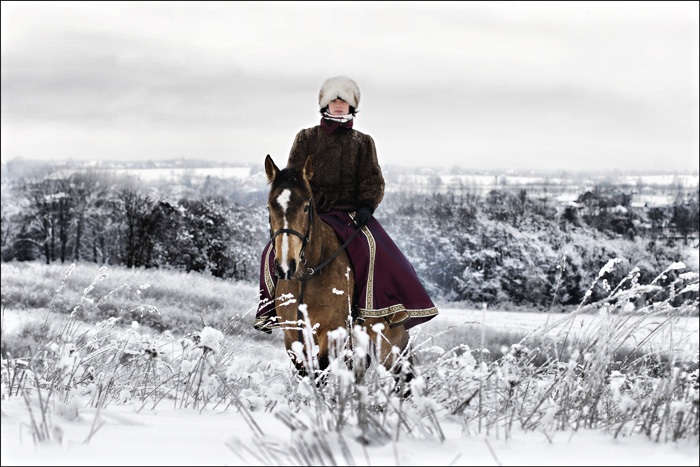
point(362, 216)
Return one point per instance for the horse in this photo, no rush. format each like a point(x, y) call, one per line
point(314, 271)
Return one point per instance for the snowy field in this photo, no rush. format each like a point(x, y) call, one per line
point(173, 174)
point(255, 176)
point(241, 173)
point(170, 436)
point(136, 434)
point(119, 393)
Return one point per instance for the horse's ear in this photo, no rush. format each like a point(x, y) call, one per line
point(308, 168)
point(270, 169)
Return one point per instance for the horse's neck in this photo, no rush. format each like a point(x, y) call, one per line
point(322, 243)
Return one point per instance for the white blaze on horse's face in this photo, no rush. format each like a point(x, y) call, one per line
point(283, 201)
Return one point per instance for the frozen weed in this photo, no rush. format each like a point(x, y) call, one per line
point(629, 371)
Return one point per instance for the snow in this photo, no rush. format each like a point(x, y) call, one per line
point(641, 200)
point(687, 329)
point(481, 181)
point(136, 435)
point(152, 175)
point(169, 436)
point(661, 180)
point(211, 339)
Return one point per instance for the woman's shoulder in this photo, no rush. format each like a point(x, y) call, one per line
point(361, 137)
point(310, 130)
point(360, 134)
point(308, 133)
point(316, 132)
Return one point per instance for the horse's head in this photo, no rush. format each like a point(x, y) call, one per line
point(291, 215)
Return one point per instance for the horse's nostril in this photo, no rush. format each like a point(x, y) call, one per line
point(278, 269)
point(289, 273)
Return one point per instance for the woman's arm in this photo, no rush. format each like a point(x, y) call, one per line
point(299, 151)
point(371, 180)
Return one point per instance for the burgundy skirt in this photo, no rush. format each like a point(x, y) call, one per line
point(386, 285)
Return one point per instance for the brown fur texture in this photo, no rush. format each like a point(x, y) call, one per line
point(326, 307)
point(347, 175)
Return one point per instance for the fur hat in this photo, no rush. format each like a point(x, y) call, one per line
point(339, 87)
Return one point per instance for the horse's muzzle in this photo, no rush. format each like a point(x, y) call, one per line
point(289, 274)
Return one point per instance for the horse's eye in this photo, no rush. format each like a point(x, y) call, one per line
point(306, 208)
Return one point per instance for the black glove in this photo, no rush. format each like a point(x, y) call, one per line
point(362, 216)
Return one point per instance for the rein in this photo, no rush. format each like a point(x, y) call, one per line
point(309, 273)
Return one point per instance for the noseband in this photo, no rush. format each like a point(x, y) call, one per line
point(305, 241)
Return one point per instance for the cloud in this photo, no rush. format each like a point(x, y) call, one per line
point(513, 83)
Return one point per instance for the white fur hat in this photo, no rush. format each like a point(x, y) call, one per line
point(339, 86)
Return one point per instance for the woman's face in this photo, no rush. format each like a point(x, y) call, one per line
point(338, 107)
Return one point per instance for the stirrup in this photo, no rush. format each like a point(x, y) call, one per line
point(403, 318)
point(357, 318)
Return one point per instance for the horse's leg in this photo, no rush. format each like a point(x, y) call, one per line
point(328, 311)
point(399, 363)
point(290, 337)
point(403, 374)
point(323, 361)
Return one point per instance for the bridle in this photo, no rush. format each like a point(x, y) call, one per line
point(304, 238)
point(309, 273)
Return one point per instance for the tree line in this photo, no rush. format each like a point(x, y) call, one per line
point(92, 216)
point(509, 246)
point(505, 246)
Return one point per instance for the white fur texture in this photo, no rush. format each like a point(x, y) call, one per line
point(339, 86)
point(283, 199)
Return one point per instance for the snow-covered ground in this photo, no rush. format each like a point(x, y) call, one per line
point(170, 436)
point(490, 180)
point(568, 189)
point(684, 332)
point(152, 175)
point(132, 435)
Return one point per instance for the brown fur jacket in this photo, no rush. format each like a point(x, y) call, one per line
point(346, 173)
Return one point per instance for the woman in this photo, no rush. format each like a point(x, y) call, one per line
point(347, 187)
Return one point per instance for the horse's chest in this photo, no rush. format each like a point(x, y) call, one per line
point(328, 301)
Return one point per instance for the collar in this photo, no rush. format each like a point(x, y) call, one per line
point(331, 123)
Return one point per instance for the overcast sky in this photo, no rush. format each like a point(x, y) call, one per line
point(522, 85)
